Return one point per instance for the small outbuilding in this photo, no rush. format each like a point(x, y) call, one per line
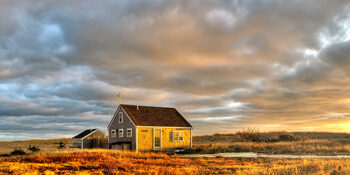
point(90, 138)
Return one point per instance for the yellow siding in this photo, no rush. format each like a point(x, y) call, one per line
point(166, 140)
point(145, 138)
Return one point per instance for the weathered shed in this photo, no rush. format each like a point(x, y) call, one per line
point(90, 138)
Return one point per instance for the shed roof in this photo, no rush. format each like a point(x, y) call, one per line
point(84, 133)
point(155, 116)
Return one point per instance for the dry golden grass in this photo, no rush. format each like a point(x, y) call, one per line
point(44, 145)
point(309, 143)
point(51, 160)
point(313, 147)
point(269, 137)
point(316, 143)
point(114, 162)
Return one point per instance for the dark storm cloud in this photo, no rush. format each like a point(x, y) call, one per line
point(266, 64)
point(338, 56)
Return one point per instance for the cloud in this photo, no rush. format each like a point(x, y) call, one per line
point(62, 62)
point(337, 55)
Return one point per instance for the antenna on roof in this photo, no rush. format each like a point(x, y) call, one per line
point(120, 97)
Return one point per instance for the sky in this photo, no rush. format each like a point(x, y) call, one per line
point(225, 65)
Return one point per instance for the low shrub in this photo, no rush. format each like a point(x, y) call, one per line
point(33, 149)
point(288, 137)
point(18, 151)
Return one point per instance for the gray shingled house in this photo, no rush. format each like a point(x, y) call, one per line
point(90, 138)
point(143, 128)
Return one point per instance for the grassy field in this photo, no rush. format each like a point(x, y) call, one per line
point(44, 145)
point(51, 160)
point(301, 143)
point(115, 162)
point(310, 147)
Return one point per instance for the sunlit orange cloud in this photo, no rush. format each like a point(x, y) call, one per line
point(198, 61)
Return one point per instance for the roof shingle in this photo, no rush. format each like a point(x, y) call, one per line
point(84, 133)
point(155, 116)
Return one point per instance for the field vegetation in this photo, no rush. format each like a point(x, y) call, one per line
point(301, 143)
point(46, 156)
point(115, 162)
point(6, 147)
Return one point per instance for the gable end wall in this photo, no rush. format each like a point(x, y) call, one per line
point(127, 123)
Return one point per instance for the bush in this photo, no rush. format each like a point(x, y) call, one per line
point(61, 145)
point(251, 135)
point(18, 151)
point(288, 137)
point(33, 149)
point(4, 155)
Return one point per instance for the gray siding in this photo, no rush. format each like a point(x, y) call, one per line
point(76, 143)
point(87, 143)
point(127, 123)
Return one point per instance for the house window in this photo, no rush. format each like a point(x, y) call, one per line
point(129, 132)
point(113, 134)
point(120, 117)
point(121, 133)
point(178, 135)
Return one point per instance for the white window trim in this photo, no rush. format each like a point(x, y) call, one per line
point(113, 135)
point(120, 116)
point(153, 134)
point(127, 132)
point(120, 133)
point(178, 138)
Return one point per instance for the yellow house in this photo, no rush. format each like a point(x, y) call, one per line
point(144, 128)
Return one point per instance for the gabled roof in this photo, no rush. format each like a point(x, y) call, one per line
point(155, 116)
point(84, 133)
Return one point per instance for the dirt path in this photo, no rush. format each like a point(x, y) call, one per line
point(257, 155)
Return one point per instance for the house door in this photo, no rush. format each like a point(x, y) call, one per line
point(157, 138)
